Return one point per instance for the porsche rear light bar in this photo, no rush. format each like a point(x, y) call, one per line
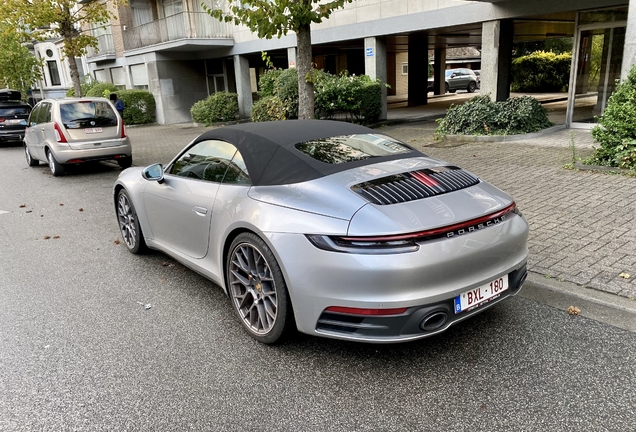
point(403, 243)
point(365, 312)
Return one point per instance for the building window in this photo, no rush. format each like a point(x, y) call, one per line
point(54, 73)
point(405, 68)
point(139, 76)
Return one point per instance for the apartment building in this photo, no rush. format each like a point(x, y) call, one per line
point(182, 55)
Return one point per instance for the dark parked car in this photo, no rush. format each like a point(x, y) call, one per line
point(13, 116)
point(458, 79)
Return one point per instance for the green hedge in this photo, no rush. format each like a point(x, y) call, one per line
point(268, 108)
point(219, 107)
point(616, 129)
point(98, 89)
point(139, 106)
point(541, 72)
point(357, 97)
point(482, 116)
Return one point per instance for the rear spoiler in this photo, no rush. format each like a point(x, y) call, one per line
point(10, 95)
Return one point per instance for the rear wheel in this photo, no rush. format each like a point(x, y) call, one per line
point(257, 289)
point(446, 89)
point(125, 162)
point(471, 87)
point(129, 224)
point(32, 162)
point(57, 169)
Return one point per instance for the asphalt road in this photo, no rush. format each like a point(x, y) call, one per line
point(79, 351)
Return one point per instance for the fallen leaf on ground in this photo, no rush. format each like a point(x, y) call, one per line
point(116, 241)
point(22, 205)
point(625, 275)
point(47, 237)
point(61, 204)
point(81, 209)
point(29, 211)
point(573, 310)
point(166, 264)
point(56, 236)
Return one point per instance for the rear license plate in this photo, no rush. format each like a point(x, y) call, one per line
point(93, 130)
point(481, 295)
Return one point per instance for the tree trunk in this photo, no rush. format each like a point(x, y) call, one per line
point(303, 63)
point(75, 76)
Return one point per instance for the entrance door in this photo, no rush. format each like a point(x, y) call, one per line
point(598, 55)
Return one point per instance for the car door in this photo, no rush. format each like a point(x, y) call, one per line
point(30, 134)
point(43, 120)
point(179, 209)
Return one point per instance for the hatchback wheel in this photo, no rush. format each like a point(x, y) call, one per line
point(446, 88)
point(257, 289)
point(32, 162)
point(57, 169)
point(129, 224)
point(125, 162)
point(471, 87)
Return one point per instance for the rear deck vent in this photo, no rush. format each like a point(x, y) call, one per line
point(415, 185)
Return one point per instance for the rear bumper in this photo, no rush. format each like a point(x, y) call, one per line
point(67, 155)
point(11, 135)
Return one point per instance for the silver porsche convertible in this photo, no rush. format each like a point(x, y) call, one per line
point(330, 228)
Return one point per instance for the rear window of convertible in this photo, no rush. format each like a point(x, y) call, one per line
point(349, 148)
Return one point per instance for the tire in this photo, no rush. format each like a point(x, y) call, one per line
point(257, 290)
point(471, 87)
point(57, 169)
point(129, 224)
point(125, 162)
point(446, 88)
point(30, 161)
point(452, 91)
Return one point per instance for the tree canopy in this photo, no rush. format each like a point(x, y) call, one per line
point(19, 70)
point(66, 19)
point(269, 18)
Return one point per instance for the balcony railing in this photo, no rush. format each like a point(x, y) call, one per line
point(105, 46)
point(185, 25)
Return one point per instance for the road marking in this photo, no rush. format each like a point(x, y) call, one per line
point(3, 211)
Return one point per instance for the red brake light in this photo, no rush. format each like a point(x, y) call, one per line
point(59, 135)
point(367, 312)
point(123, 129)
point(1, 120)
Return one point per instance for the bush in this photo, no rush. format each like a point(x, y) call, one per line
point(541, 72)
point(616, 129)
point(139, 106)
point(482, 116)
point(268, 108)
point(267, 82)
point(98, 89)
point(219, 107)
point(286, 88)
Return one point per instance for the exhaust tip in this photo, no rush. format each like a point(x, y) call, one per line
point(434, 321)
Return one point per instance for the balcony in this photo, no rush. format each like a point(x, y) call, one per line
point(185, 25)
point(105, 47)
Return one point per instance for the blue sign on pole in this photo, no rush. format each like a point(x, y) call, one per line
point(369, 52)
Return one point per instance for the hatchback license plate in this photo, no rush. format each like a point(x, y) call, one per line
point(476, 297)
point(93, 130)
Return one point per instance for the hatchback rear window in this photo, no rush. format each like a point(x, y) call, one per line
point(349, 148)
point(78, 115)
point(13, 111)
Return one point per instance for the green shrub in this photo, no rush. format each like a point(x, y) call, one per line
point(482, 116)
point(98, 89)
point(268, 108)
point(286, 88)
point(359, 97)
point(541, 72)
point(139, 106)
point(616, 129)
point(219, 107)
point(267, 82)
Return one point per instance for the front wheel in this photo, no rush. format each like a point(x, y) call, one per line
point(471, 87)
point(129, 224)
point(57, 169)
point(257, 289)
point(30, 161)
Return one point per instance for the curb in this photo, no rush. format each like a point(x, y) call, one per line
point(583, 167)
point(597, 305)
point(503, 138)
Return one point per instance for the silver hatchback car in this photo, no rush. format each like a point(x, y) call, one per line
point(76, 130)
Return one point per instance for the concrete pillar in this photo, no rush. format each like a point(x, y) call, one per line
point(629, 51)
point(243, 85)
point(496, 59)
point(375, 65)
point(418, 68)
point(439, 74)
point(291, 57)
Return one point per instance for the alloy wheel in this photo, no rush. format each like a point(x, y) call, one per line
point(127, 221)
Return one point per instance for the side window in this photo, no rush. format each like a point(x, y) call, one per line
point(45, 115)
point(33, 118)
point(206, 160)
point(237, 171)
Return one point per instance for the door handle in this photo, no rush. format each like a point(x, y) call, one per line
point(201, 211)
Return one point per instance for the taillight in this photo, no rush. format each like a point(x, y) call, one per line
point(123, 129)
point(366, 312)
point(1, 120)
point(59, 135)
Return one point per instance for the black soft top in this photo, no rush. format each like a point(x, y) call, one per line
point(269, 152)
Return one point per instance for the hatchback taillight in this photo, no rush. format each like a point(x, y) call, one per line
point(123, 129)
point(59, 135)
